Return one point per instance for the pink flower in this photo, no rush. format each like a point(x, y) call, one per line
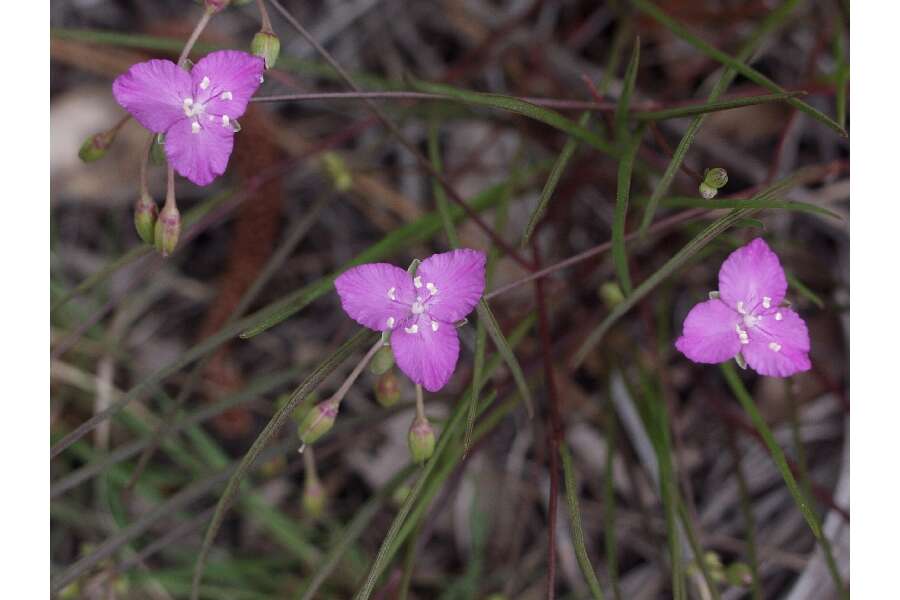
point(747, 317)
point(421, 310)
point(195, 110)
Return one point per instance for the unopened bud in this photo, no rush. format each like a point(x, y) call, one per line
point(421, 440)
point(313, 498)
point(168, 230)
point(216, 5)
point(145, 216)
point(738, 574)
point(94, 148)
point(707, 191)
point(382, 361)
point(716, 178)
point(387, 389)
point(317, 422)
point(612, 294)
point(266, 45)
point(337, 170)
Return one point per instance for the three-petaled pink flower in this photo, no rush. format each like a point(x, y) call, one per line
point(197, 111)
point(420, 310)
point(748, 317)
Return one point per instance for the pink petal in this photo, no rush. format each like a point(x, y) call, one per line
point(779, 346)
point(375, 293)
point(751, 274)
point(153, 92)
point(428, 353)
point(710, 333)
point(457, 277)
point(200, 156)
point(225, 80)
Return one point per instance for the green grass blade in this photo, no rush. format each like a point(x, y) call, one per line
point(609, 507)
point(800, 499)
point(575, 523)
point(737, 65)
point(804, 291)
point(521, 107)
point(623, 190)
point(792, 205)
point(775, 19)
point(272, 427)
point(623, 105)
point(711, 107)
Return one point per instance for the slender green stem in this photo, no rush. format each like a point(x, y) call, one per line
point(195, 35)
point(575, 524)
point(623, 190)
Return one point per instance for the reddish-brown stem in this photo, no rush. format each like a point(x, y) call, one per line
point(554, 431)
point(265, 22)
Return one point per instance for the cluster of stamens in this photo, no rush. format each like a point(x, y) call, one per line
point(416, 308)
point(751, 320)
point(192, 108)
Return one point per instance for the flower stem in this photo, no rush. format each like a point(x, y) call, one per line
point(145, 189)
point(420, 402)
point(309, 463)
point(266, 24)
point(170, 189)
point(345, 387)
point(195, 35)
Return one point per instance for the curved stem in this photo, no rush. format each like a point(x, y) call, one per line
point(266, 24)
point(145, 159)
point(420, 402)
point(345, 387)
point(170, 188)
point(195, 35)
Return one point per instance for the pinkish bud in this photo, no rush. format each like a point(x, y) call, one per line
point(168, 230)
point(317, 422)
point(387, 389)
point(216, 5)
point(94, 148)
point(421, 440)
point(145, 217)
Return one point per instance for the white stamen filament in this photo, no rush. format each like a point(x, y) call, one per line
point(227, 96)
point(390, 322)
point(432, 289)
point(774, 346)
point(740, 307)
point(417, 281)
point(414, 328)
point(204, 84)
point(392, 293)
point(417, 308)
point(434, 325)
point(767, 302)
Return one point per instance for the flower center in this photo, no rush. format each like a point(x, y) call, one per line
point(417, 307)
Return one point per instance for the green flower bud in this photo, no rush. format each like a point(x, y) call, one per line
point(168, 230)
point(216, 5)
point(337, 170)
point(421, 440)
point(158, 150)
point(612, 294)
point(94, 148)
point(387, 389)
point(382, 361)
point(716, 178)
point(400, 494)
point(266, 45)
point(145, 215)
point(708, 191)
point(317, 422)
point(313, 498)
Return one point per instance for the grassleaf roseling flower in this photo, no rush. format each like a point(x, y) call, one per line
point(420, 310)
point(197, 111)
point(748, 317)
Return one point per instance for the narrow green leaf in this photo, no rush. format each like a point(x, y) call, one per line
point(743, 396)
point(609, 506)
point(711, 107)
point(623, 105)
point(581, 553)
point(774, 20)
point(623, 190)
point(521, 107)
point(735, 64)
point(804, 291)
point(792, 205)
